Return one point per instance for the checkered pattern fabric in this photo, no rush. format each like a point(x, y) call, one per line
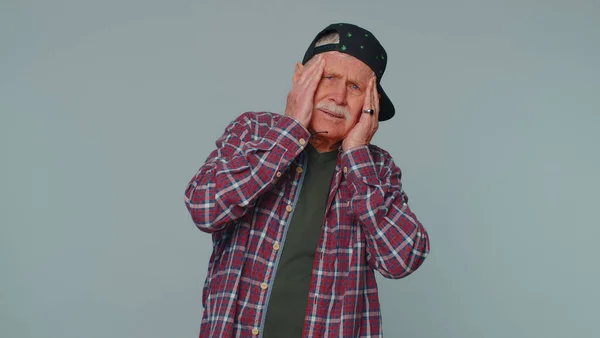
point(244, 196)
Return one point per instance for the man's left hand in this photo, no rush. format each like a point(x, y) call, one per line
point(362, 133)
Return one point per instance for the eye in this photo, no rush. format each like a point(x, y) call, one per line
point(354, 86)
point(328, 77)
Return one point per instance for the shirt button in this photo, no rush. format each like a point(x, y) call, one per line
point(255, 332)
point(302, 141)
point(288, 208)
point(348, 203)
point(298, 170)
point(276, 246)
point(345, 170)
point(278, 174)
point(264, 286)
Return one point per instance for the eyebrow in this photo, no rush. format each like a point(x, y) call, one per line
point(338, 75)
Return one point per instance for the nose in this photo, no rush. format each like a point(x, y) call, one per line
point(338, 93)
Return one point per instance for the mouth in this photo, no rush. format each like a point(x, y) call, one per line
point(337, 116)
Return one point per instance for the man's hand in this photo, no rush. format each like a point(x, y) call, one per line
point(367, 125)
point(300, 99)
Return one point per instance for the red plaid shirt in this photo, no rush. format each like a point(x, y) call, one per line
point(245, 194)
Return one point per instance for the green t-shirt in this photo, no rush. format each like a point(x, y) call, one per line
point(289, 294)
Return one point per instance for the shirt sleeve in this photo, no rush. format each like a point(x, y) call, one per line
point(242, 168)
point(397, 243)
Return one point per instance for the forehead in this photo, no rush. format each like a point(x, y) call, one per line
point(347, 65)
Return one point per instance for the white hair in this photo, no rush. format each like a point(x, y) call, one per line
point(335, 109)
point(328, 39)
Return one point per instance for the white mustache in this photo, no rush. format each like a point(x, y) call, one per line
point(335, 109)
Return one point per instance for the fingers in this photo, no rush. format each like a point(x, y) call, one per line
point(368, 96)
point(371, 100)
point(315, 77)
point(306, 71)
point(300, 98)
point(313, 71)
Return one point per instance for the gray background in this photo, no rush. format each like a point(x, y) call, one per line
point(109, 107)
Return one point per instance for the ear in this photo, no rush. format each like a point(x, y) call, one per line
point(298, 71)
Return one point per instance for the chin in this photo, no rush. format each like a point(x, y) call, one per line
point(330, 135)
point(316, 127)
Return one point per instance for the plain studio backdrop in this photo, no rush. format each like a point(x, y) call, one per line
point(108, 108)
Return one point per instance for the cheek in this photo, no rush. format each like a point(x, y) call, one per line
point(355, 105)
point(353, 120)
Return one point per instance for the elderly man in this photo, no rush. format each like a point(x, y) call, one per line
point(302, 208)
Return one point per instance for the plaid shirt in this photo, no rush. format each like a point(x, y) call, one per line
point(245, 194)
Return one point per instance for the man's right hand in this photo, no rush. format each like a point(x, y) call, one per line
point(300, 99)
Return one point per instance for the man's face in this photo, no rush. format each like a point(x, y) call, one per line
point(340, 95)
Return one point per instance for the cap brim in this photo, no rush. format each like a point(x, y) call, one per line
point(386, 107)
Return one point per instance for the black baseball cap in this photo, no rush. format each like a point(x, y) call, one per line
point(361, 44)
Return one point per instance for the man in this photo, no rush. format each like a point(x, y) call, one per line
point(302, 209)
